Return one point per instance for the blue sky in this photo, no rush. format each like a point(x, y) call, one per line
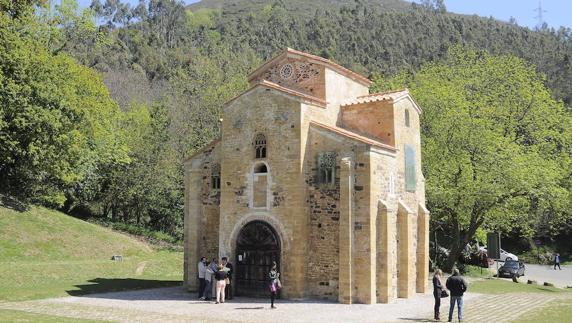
point(558, 12)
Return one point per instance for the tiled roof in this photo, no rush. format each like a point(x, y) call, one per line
point(271, 85)
point(390, 96)
point(381, 96)
point(289, 52)
point(352, 135)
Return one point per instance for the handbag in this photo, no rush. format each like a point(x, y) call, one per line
point(444, 294)
point(278, 283)
point(227, 281)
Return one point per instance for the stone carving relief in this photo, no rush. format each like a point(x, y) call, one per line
point(296, 75)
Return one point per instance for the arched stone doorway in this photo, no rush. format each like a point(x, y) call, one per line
point(257, 246)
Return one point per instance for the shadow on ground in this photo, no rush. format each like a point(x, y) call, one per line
point(14, 204)
point(167, 290)
point(106, 285)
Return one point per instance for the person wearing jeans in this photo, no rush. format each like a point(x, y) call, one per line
point(220, 277)
point(557, 261)
point(457, 286)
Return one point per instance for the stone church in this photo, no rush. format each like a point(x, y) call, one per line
point(313, 172)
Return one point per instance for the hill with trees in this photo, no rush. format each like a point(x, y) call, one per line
point(169, 68)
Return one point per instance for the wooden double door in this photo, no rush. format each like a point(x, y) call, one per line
point(257, 247)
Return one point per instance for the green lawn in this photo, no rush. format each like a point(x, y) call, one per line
point(45, 253)
point(10, 316)
point(556, 311)
point(496, 286)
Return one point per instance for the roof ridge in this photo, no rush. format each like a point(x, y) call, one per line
point(385, 92)
point(280, 88)
point(357, 77)
point(350, 134)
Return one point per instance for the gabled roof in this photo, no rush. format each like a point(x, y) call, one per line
point(202, 150)
point(390, 96)
point(271, 85)
point(292, 53)
point(352, 135)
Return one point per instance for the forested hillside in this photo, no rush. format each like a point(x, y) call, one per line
point(171, 67)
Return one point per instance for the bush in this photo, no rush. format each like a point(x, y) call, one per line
point(156, 237)
point(538, 255)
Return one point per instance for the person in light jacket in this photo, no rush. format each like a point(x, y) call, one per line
point(207, 293)
point(202, 268)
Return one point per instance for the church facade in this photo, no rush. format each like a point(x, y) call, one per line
point(313, 172)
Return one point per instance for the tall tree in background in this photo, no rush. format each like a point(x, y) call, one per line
point(57, 121)
point(496, 145)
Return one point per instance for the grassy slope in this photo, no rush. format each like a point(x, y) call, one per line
point(555, 311)
point(45, 253)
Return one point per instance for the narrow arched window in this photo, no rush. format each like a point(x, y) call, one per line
point(215, 177)
point(327, 168)
point(260, 185)
point(260, 146)
point(406, 117)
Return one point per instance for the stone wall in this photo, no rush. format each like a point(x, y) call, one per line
point(324, 213)
point(277, 116)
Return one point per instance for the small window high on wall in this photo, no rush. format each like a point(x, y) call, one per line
point(260, 146)
point(407, 117)
point(215, 177)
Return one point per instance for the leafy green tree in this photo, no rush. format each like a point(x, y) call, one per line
point(57, 121)
point(496, 145)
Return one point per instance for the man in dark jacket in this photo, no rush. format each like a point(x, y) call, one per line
point(457, 286)
point(228, 288)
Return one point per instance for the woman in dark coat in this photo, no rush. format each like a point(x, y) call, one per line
point(437, 290)
point(275, 284)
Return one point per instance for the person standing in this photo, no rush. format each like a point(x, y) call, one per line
point(557, 261)
point(437, 291)
point(214, 268)
point(275, 284)
point(209, 273)
point(228, 288)
point(220, 277)
point(457, 286)
point(202, 268)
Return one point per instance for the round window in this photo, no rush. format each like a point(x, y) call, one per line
point(286, 71)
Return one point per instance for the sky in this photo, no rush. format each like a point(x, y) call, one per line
point(558, 12)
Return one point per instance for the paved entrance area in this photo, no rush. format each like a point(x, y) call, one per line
point(546, 273)
point(176, 305)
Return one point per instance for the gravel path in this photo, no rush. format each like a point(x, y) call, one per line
point(175, 304)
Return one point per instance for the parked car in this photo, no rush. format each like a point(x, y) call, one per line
point(504, 255)
point(511, 268)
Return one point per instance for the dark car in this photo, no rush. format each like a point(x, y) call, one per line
point(511, 268)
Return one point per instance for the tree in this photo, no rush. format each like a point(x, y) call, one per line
point(496, 145)
point(58, 123)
